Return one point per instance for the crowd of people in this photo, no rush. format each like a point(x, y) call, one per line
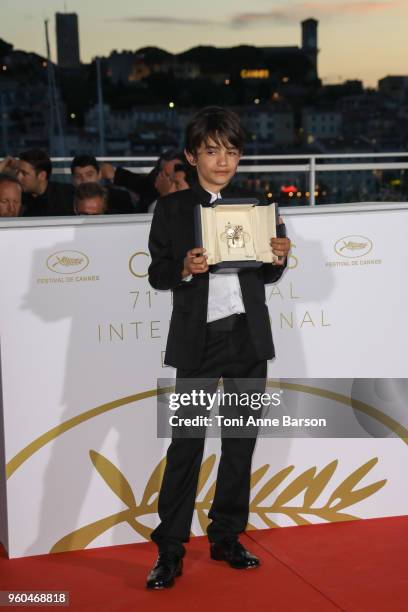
point(27, 188)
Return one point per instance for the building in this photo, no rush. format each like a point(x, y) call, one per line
point(309, 46)
point(66, 27)
point(321, 124)
point(127, 67)
point(255, 71)
point(144, 128)
point(395, 87)
point(274, 127)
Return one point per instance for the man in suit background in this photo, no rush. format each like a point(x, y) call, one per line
point(86, 169)
point(41, 196)
point(220, 327)
point(148, 187)
point(10, 195)
point(90, 199)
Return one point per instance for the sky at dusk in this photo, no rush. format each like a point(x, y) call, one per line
point(357, 38)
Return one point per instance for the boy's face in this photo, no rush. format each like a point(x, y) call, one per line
point(216, 164)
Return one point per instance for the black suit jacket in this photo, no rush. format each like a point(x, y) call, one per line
point(141, 184)
point(119, 201)
point(171, 236)
point(57, 200)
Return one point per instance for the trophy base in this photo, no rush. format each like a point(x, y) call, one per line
point(229, 267)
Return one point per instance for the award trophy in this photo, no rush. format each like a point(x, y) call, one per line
point(236, 233)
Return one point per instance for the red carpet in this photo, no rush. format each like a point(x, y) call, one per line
point(357, 566)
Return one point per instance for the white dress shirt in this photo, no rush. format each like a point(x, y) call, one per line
point(224, 290)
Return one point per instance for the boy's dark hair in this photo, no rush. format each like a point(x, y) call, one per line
point(90, 190)
point(219, 124)
point(80, 161)
point(38, 159)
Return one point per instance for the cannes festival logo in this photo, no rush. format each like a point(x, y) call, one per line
point(67, 262)
point(353, 246)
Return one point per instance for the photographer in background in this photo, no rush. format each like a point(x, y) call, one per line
point(10, 196)
point(91, 199)
point(86, 169)
point(159, 182)
point(42, 197)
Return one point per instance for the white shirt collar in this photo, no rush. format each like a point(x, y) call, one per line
point(214, 196)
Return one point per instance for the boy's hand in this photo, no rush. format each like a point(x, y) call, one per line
point(195, 262)
point(280, 248)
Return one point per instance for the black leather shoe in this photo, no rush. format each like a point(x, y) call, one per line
point(168, 566)
point(234, 554)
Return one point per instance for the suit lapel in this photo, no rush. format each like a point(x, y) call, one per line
point(203, 197)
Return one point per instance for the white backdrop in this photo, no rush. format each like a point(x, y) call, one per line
point(82, 343)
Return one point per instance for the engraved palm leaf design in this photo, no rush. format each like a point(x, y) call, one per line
point(309, 486)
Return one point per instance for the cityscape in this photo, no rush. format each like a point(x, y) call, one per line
point(138, 102)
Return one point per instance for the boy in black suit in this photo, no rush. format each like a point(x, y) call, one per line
point(219, 327)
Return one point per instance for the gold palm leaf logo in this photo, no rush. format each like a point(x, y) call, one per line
point(310, 485)
point(353, 246)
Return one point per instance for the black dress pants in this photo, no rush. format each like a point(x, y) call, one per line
point(229, 354)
